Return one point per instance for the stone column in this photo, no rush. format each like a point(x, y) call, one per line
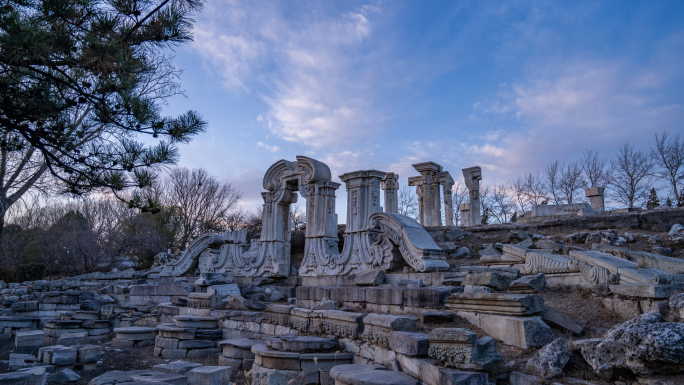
point(427, 188)
point(447, 182)
point(390, 185)
point(596, 198)
point(363, 197)
point(472, 177)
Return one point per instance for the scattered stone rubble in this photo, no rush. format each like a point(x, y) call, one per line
point(399, 304)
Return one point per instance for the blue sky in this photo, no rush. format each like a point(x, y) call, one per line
point(509, 86)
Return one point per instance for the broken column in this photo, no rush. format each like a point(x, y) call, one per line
point(472, 177)
point(390, 185)
point(429, 196)
point(596, 198)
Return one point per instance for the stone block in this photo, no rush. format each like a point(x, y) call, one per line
point(176, 367)
point(323, 361)
point(369, 278)
point(427, 297)
point(174, 353)
point(235, 363)
point(143, 290)
point(238, 348)
point(89, 353)
point(65, 375)
point(21, 360)
point(348, 294)
point(196, 344)
point(385, 295)
point(495, 303)
point(210, 375)
point(64, 356)
point(188, 321)
point(208, 352)
point(495, 279)
point(528, 284)
point(73, 339)
point(523, 332)
point(135, 333)
point(35, 376)
point(556, 318)
point(457, 377)
point(122, 344)
point(433, 317)
point(28, 339)
point(171, 290)
point(168, 331)
point(409, 343)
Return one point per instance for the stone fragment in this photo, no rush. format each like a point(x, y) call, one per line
point(433, 317)
point(409, 343)
point(457, 377)
point(470, 289)
point(354, 374)
point(496, 303)
point(491, 278)
point(238, 347)
point(21, 360)
point(369, 278)
point(427, 297)
point(210, 375)
point(89, 353)
point(517, 378)
point(64, 356)
point(255, 305)
point(147, 376)
point(528, 284)
point(176, 367)
point(73, 339)
point(65, 375)
point(461, 253)
point(554, 317)
point(304, 344)
point(111, 378)
point(526, 243)
point(28, 341)
point(550, 360)
point(644, 346)
point(35, 376)
point(523, 332)
point(460, 348)
point(490, 251)
point(174, 353)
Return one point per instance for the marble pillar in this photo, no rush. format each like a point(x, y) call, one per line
point(472, 177)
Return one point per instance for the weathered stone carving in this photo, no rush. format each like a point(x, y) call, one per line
point(460, 348)
point(428, 190)
point(545, 263)
point(596, 198)
point(371, 242)
point(189, 259)
point(470, 212)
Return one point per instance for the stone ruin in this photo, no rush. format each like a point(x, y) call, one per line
point(403, 302)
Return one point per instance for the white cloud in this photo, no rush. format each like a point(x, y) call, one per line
point(309, 61)
point(267, 147)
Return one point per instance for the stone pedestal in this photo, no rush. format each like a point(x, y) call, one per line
point(596, 198)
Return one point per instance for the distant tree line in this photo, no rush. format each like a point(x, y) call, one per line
point(631, 178)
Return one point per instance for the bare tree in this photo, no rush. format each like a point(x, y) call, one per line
point(298, 217)
point(668, 156)
point(408, 202)
point(503, 205)
point(459, 195)
point(204, 203)
point(594, 168)
point(631, 175)
point(552, 175)
point(571, 181)
point(535, 190)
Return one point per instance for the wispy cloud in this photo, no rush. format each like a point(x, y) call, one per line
point(305, 64)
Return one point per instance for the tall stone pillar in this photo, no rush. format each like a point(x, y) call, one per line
point(472, 177)
point(390, 185)
point(596, 198)
point(427, 188)
point(447, 182)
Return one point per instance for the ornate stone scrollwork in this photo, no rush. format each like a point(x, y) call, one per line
point(545, 263)
point(189, 259)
